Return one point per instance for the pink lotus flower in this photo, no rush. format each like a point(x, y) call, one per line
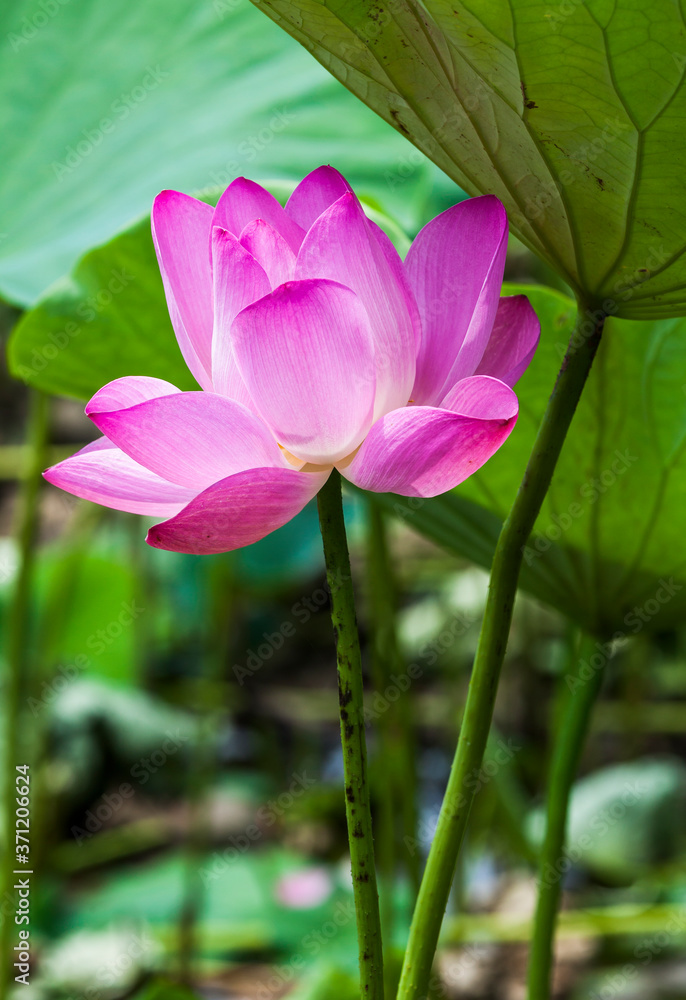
point(315, 346)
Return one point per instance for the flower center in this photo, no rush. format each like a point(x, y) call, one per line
point(292, 459)
point(302, 466)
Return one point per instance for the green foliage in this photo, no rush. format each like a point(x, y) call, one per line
point(99, 638)
point(86, 615)
point(608, 540)
point(133, 722)
point(104, 104)
point(239, 911)
point(325, 982)
point(107, 320)
point(112, 962)
point(571, 114)
point(164, 989)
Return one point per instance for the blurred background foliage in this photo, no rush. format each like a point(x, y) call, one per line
point(179, 713)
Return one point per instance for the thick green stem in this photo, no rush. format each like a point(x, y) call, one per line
point(351, 694)
point(507, 561)
point(18, 662)
point(579, 694)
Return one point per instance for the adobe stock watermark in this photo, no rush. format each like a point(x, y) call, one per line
point(302, 611)
point(635, 620)
point(409, 162)
point(225, 8)
point(646, 951)
point(311, 944)
point(407, 507)
point(380, 701)
point(406, 166)
point(250, 148)
point(590, 492)
point(598, 827)
point(579, 160)
point(266, 817)
point(373, 27)
point(109, 974)
point(498, 755)
point(97, 643)
point(32, 24)
point(558, 15)
point(87, 310)
point(590, 323)
point(119, 110)
point(111, 802)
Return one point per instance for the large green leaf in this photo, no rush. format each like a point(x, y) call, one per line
point(608, 544)
point(103, 103)
point(108, 319)
point(572, 114)
point(97, 627)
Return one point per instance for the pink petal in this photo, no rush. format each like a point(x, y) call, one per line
point(513, 341)
point(244, 201)
point(344, 246)
point(238, 280)
point(482, 396)
point(181, 233)
point(102, 473)
point(270, 250)
point(398, 268)
point(305, 353)
point(314, 194)
point(455, 267)
point(238, 511)
point(192, 438)
point(424, 451)
point(128, 391)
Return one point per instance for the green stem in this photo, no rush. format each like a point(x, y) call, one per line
point(18, 660)
point(350, 690)
point(579, 694)
point(507, 561)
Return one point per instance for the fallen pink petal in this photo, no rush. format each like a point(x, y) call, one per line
point(315, 347)
point(304, 890)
